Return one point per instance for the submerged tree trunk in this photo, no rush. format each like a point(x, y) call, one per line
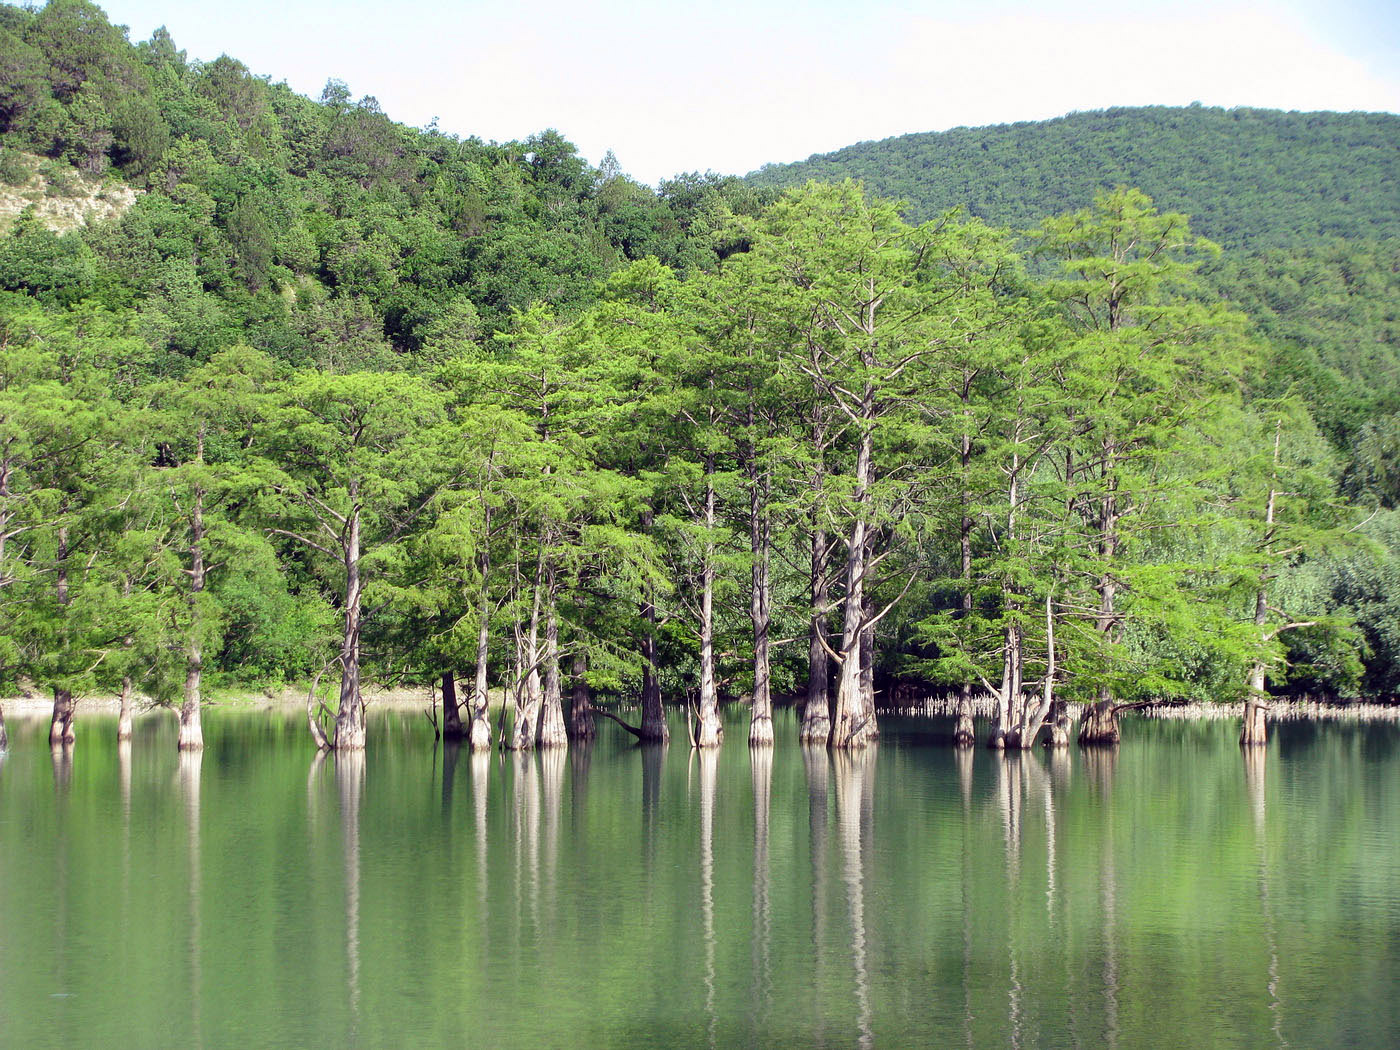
point(708, 731)
point(350, 714)
point(451, 711)
point(581, 721)
point(191, 732)
point(551, 732)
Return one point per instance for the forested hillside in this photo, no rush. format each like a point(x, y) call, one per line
point(291, 391)
point(1251, 178)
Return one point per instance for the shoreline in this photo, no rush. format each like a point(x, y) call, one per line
point(39, 706)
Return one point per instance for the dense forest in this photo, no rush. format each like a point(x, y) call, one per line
point(291, 392)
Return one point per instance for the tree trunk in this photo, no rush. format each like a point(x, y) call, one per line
point(708, 731)
point(851, 725)
point(1107, 583)
point(64, 712)
point(1255, 731)
point(760, 598)
point(581, 721)
point(191, 732)
point(124, 711)
point(653, 726)
point(529, 692)
point(816, 715)
point(61, 733)
point(997, 740)
point(867, 660)
point(1035, 714)
point(479, 728)
point(451, 712)
point(1100, 725)
point(350, 715)
point(963, 732)
point(551, 732)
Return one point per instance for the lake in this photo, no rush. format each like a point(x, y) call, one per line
point(1171, 891)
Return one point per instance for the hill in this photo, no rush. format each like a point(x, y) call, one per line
point(1250, 178)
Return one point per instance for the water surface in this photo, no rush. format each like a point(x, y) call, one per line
point(1170, 892)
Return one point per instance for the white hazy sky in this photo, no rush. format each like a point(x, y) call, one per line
point(730, 86)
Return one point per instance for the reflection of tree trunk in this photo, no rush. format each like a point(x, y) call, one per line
point(552, 762)
point(350, 785)
point(1100, 764)
point(709, 762)
point(1108, 891)
point(4, 737)
point(62, 768)
point(124, 779)
point(817, 767)
point(451, 751)
point(481, 776)
point(963, 758)
point(653, 760)
point(527, 836)
point(580, 759)
point(852, 770)
point(582, 724)
point(1255, 768)
point(761, 764)
point(191, 761)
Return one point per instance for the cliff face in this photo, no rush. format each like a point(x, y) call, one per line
point(62, 197)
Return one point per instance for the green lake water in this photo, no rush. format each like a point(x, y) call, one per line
point(1172, 892)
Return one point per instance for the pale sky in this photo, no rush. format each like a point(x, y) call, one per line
point(729, 86)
